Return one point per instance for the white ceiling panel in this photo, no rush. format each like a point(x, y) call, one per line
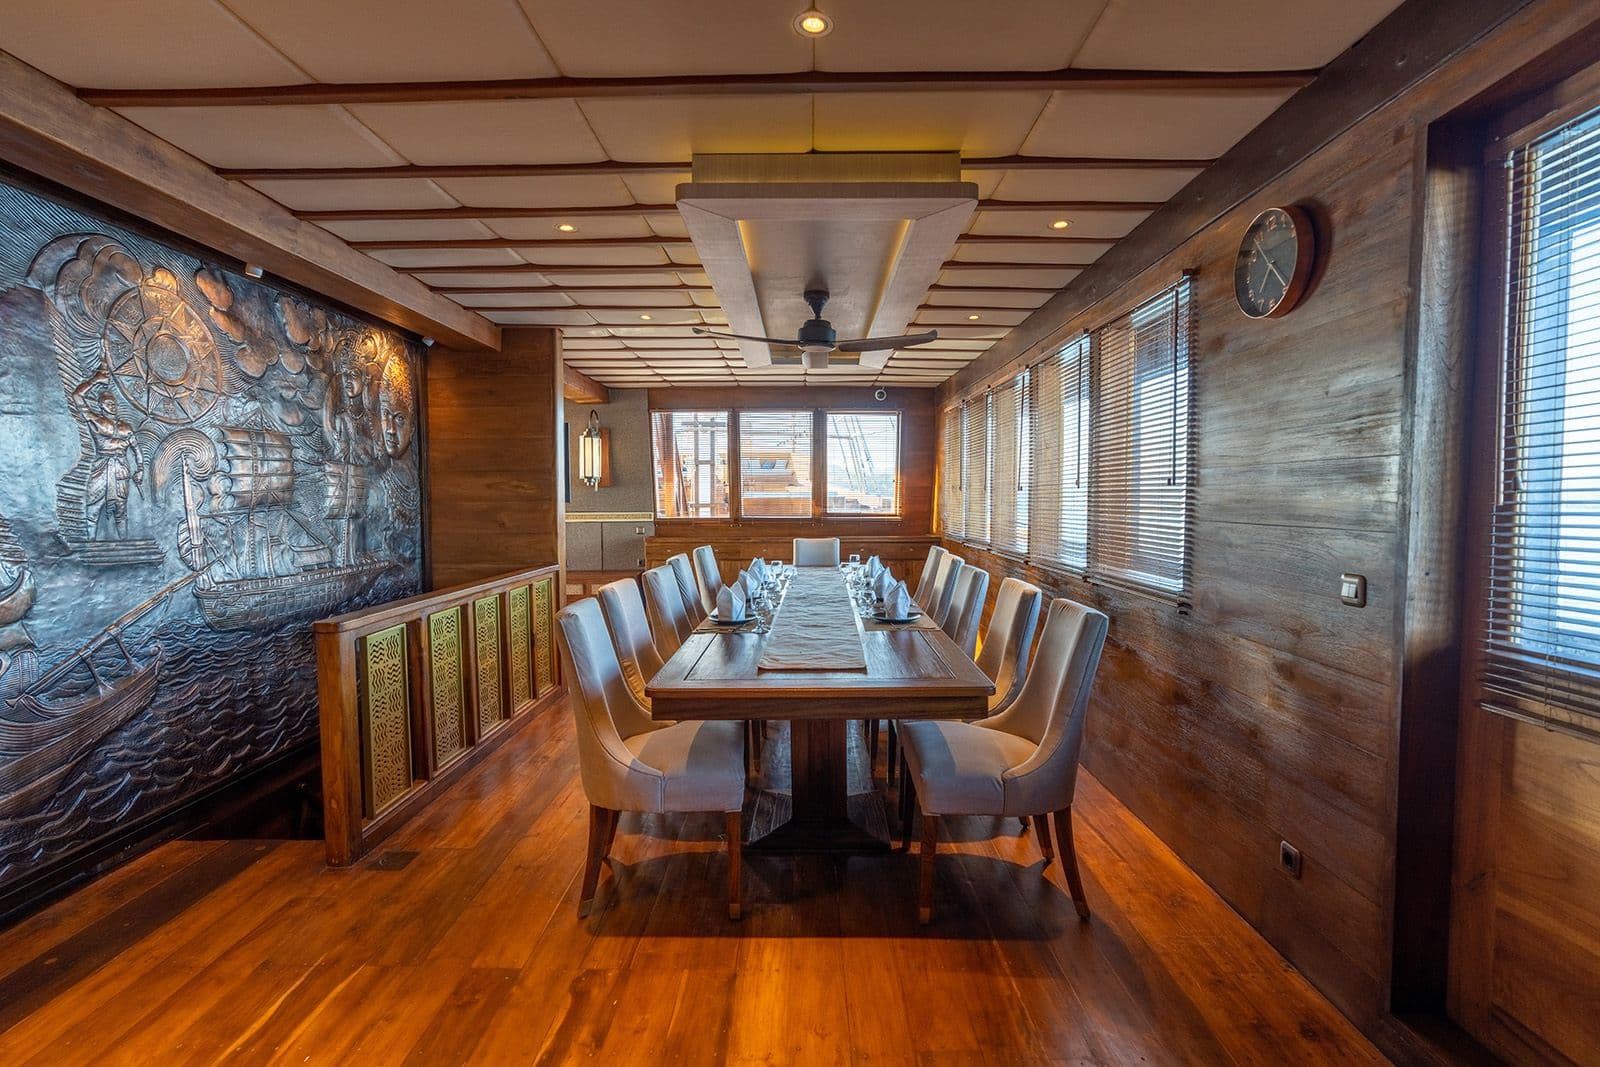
point(657, 317)
point(954, 34)
point(445, 258)
point(1027, 253)
point(177, 44)
point(400, 40)
point(975, 124)
point(656, 188)
point(655, 278)
point(673, 128)
point(572, 342)
point(621, 38)
point(1228, 34)
point(538, 318)
point(684, 255)
point(628, 256)
point(635, 298)
point(298, 136)
point(667, 225)
point(1175, 125)
point(341, 195)
point(538, 298)
point(1091, 184)
point(1054, 278)
point(987, 297)
point(408, 229)
point(941, 318)
point(484, 131)
point(581, 190)
point(600, 226)
point(443, 279)
point(1112, 225)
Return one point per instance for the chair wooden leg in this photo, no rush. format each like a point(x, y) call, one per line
point(735, 830)
point(1041, 826)
point(613, 819)
point(601, 826)
point(930, 845)
point(1069, 860)
point(890, 766)
point(908, 806)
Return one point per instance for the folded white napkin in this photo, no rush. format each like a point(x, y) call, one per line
point(758, 569)
point(883, 583)
point(874, 565)
point(730, 604)
point(897, 604)
point(743, 583)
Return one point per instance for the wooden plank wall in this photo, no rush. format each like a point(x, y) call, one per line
point(495, 482)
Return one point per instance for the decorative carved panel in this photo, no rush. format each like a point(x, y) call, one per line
point(486, 630)
point(544, 649)
point(447, 699)
point(385, 720)
point(521, 648)
point(193, 467)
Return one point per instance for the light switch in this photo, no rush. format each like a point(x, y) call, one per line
point(1353, 589)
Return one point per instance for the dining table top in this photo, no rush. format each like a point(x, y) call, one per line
point(912, 670)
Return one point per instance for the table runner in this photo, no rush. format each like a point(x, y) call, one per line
point(815, 628)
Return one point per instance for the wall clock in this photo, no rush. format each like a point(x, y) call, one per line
point(1275, 261)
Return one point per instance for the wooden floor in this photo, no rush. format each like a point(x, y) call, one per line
point(460, 943)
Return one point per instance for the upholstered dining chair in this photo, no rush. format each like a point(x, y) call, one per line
point(1022, 763)
point(965, 610)
point(683, 571)
point(816, 551)
point(629, 763)
point(663, 601)
point(623, 608)
point(944, 591)
point(930, 568)
point(1003, 654)
point(707, 577)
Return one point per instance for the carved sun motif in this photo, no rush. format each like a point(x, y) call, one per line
point(162, 355)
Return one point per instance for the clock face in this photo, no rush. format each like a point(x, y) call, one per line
point(1274, 263)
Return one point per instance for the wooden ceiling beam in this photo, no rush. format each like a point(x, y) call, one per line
point(453, 291)
point(479, 243)
point(579, 388)
point(588, 269)
point(623, 166)
point(379, 214)
point(798, 83)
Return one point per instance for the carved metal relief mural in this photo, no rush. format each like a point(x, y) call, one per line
point(193, 466)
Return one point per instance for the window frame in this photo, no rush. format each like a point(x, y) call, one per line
point(655, 465)
point(899, 465)
point(736, 439)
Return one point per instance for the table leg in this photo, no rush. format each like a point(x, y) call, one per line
point(820, 820)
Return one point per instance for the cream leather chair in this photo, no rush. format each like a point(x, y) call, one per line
point(669, 620)
point(965, 611)
point(630, 763)
point(1023, 763)
point(816, 551)
point(944, 592)
point(930, 568)
point(623, 608)
point(1003, 656)
point(707, 577)
point(683, 571)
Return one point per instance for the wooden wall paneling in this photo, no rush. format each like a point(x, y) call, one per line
point(495, 478)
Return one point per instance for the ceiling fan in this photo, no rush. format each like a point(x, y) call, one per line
point(817, 339)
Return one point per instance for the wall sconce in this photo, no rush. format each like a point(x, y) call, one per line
point(594, 454)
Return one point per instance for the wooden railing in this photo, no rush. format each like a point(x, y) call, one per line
point(413, 692)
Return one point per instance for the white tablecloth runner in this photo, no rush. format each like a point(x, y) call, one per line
point(815, 628)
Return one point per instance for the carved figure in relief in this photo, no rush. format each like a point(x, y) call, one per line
point(116, 464)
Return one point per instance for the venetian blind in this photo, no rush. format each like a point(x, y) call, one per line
point(691, 463)
point(1140, 505)
point(1058, 500)
point(775, 464)
point(1542, 635)
point(1008, 510)
point(952, 504)
point(979, 425)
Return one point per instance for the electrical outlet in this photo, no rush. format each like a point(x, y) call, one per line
point(1289, 859)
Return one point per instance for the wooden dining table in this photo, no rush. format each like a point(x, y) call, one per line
point(911, 671)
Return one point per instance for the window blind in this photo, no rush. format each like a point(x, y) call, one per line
point(863, 463)
point(1140, 504)
point(691, 463)
point(1541, 655)
point(1008, 511)
point(952, 505)
point(775, 464)
point(1058, 499)
point(979, 425)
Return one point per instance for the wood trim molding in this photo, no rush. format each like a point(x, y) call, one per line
point(800, 82)
point(579, 388)
point(633, 210)
point(653, 241)
point(48, 131)
point(578, 269)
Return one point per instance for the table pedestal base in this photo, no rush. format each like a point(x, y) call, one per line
point(823, 815)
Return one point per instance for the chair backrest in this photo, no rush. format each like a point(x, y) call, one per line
point(966, 608)
point(707, 576)
point(663, 602)
point(1051, 708)
point(816, 551)
point(930, 567)
point(602, 703)
point(683, 572)
point(623, 608)
point(944, 586)
point(1003, 656)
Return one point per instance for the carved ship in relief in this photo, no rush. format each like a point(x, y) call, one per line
point(267, 565)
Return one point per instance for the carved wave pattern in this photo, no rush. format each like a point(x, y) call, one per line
point(491, 702)
point(388, 719)
point(444, 662)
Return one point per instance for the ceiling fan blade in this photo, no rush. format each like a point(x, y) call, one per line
point(879, 344)
point(745, 337)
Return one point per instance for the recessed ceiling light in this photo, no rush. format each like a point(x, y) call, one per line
point(812, 23)
point(566, 227)
point(646, 318)
point(1060, 224)
point(973, 318)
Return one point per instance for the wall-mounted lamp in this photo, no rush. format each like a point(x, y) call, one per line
point(594, 460)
